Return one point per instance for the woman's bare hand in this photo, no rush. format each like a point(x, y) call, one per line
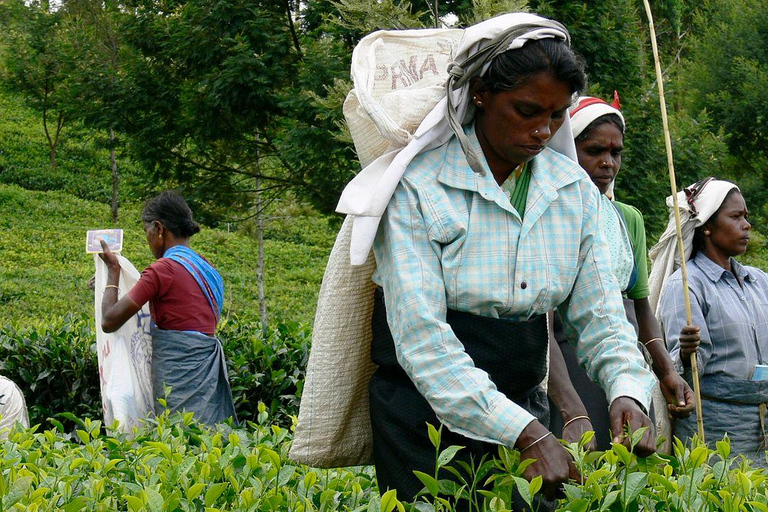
point(553, 463)
point(689, 343)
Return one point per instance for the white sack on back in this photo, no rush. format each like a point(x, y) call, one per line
point(13, 408)
point(399, 77)
point(125, 356)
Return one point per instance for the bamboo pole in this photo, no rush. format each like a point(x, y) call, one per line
point(673, 185)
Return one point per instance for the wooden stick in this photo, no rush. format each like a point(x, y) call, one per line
point(673, 185)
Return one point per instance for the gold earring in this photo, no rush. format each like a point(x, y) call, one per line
point(160, 236)
point(707, 232)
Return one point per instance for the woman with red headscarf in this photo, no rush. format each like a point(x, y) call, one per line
point(598, 130)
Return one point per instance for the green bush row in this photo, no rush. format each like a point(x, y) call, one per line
point(56, 367)
point(171, 463)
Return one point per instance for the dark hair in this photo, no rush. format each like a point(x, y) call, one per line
point(606, 118)
point(172, 211)
point(698, 234)
point(514, 68)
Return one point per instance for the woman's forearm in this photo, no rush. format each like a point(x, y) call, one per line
point(559, 386)
point(651, 337)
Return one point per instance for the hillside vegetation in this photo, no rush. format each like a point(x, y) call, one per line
point(44, 268)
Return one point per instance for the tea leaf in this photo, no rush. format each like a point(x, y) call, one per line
point(389, 501)
point(657, 480)
point(194, 491)
point(524, 490)
point(434, 435)
point(286, 473)
point(723, 448)
point(447, 455)
point(699, 455)
point(135, 504)
point(429, 482)
point(154, 500)
point(621, 451)
point(213, 493)
point(17, 491)
point(535, 484)
point(578, 505)
point(634, 485)
point(78, 503)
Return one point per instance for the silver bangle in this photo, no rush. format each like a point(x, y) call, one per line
point(575, 418)
point(536, 441)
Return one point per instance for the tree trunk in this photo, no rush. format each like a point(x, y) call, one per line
point(115, 177)
point(260, 260)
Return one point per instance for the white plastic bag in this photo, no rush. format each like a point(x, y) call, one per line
point(125, 356)
point(13, 407)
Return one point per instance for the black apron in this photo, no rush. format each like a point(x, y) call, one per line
point(514, 354)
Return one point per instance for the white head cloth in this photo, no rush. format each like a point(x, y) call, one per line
point(367, 195)
point(665, 255)
point(587, 109)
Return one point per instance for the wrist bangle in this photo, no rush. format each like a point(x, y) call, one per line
point(111, 286)
point(575, 418)
point(536, 441)
point(646, 343)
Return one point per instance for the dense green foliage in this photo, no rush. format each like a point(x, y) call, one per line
point(174, 464)
point(171, 464)
point(55, 366)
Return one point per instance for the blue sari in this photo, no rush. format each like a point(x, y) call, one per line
point(206, 276)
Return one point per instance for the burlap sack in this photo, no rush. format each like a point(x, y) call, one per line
point(398, 78)
point(334, 427)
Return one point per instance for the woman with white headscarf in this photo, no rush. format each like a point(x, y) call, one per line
point(598, 130)
point(729, 304)
point(487, 229)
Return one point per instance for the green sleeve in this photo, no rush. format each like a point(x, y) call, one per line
point(636, 231)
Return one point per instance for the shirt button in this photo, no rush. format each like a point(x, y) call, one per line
point(523, 285)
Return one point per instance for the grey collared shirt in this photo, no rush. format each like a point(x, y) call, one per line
point(733, 318)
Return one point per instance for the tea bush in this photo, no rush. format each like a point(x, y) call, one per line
point(55, 365)
point(172, 463)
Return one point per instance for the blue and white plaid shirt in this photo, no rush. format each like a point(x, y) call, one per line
point(733, 320)
point(451, 239)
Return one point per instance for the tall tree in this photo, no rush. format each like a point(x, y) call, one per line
point(92, 43)
point(725, 77)
point(34, 62)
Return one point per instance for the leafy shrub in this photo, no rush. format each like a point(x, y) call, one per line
point(174, 464)
point(266, 365)
point(55, 365)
